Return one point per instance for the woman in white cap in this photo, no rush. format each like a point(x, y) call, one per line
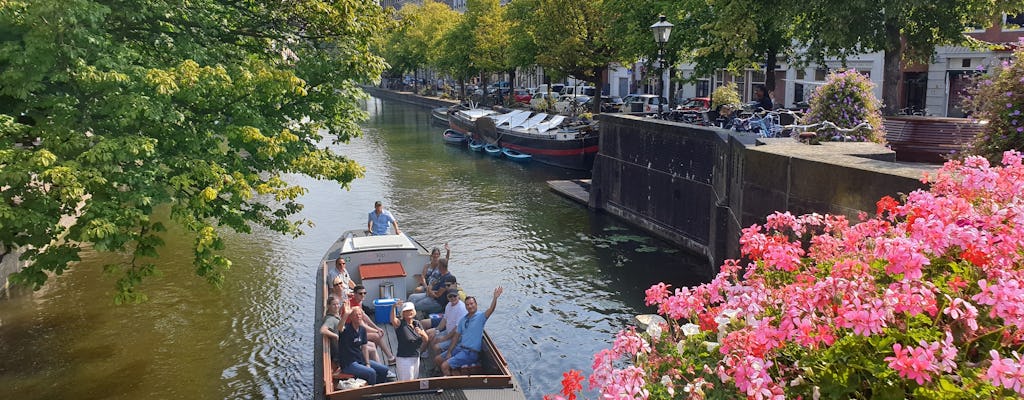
point(411, 341)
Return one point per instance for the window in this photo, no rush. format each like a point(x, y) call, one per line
point(1013, 22)
point(801, 73)
point(703, 88)
point(820, 74)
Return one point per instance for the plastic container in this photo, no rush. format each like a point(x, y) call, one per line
point(382, 309)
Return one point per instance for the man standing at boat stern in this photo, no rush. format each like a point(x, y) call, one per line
point(469, 336)
point(378, 220)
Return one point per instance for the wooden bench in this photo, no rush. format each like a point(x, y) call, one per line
point(929, 139)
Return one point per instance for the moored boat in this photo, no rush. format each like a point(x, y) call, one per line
point(475, 145)
point(440, 115)
point(463, 120)
point(453, 137)
point(550, 139)
point(515, 155)
point(492, 150)
point(384, 264)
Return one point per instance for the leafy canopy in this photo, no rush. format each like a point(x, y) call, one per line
point(110, 109)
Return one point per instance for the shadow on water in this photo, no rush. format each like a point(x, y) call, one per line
point(572, 279)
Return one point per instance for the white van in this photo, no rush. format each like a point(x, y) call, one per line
point(588, 91)
point(556, 88)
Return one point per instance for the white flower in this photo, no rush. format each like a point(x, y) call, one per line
point(711, 346)
point(654, 330)
point(690, 329)
point(730, 313)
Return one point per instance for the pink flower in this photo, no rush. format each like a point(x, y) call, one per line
point(629, 342)
point(915, 363)
point(657, 294)
point(1006, 372)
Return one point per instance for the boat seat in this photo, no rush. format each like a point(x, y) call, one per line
point(472, 369)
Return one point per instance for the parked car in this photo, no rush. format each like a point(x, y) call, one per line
point(644, 103)
point(522, 96)
point(566, 101)
point(556, 88)
point(611, 104)
point(538, 102)
point(695, 104)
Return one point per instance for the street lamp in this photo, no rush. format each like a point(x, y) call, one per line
point(662, 29)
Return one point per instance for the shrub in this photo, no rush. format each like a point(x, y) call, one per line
point(846, 99)
point(726, 94)
point(999, 98)
point(923, 300)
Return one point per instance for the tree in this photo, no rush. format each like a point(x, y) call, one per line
point(416, 43)
point(490, 36)
point(113, 108)
point(903, 29)
point(711, 34)
point(573, 37)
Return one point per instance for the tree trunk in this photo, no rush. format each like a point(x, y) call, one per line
point(511, 81)
point(891, 69)
point(462, 88)
point(769, 69)
point(595, 106)
point(415, 81)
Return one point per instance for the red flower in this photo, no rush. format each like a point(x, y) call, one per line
point(887, 203)
point(978, 258)
point(571, 383)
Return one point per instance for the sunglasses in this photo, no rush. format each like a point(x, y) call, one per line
point(337, 284)
point(452, 296)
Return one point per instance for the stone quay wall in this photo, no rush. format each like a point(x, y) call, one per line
point(698, 187)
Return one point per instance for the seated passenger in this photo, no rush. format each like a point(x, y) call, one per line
point(442, 331)
point(431, 272)
point(339, 290)
point(355, 356)
point(432, 301)
point(412, 340)
point(339, 270)
point(469, 337)
point(373, 332)
point(332, 328)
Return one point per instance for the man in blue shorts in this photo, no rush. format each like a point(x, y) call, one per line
point(378, 220)
point(468, 338)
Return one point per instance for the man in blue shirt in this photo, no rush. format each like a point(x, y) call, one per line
point(469, 335)
point(378, 220)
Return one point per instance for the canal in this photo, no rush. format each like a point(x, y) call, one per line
point(572, 279)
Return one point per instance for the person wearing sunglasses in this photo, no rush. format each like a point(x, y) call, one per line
point(467, 341)
point(373, 332)
point(442, 330)
point(339, 271)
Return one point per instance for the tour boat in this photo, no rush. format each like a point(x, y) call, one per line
point(385, 265)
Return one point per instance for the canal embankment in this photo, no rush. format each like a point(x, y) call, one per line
point(699, 186)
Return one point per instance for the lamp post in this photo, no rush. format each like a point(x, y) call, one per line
point(662, 29)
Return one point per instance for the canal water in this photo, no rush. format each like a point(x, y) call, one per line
point(572, 279)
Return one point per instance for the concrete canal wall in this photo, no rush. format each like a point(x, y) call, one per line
point(698, 187)
point(409, 97)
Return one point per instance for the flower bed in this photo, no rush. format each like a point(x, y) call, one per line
point(923, 300)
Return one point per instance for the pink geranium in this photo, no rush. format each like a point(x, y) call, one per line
point(930, 289)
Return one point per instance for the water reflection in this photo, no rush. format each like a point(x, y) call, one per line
point(573, 278)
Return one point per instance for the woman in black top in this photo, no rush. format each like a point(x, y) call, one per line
point(411, 340)
point(355, 356)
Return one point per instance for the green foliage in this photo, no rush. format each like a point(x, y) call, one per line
point(847, 99)
point(998, 98)
point(416, 41)
point(726, 94)
point(107, 112)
